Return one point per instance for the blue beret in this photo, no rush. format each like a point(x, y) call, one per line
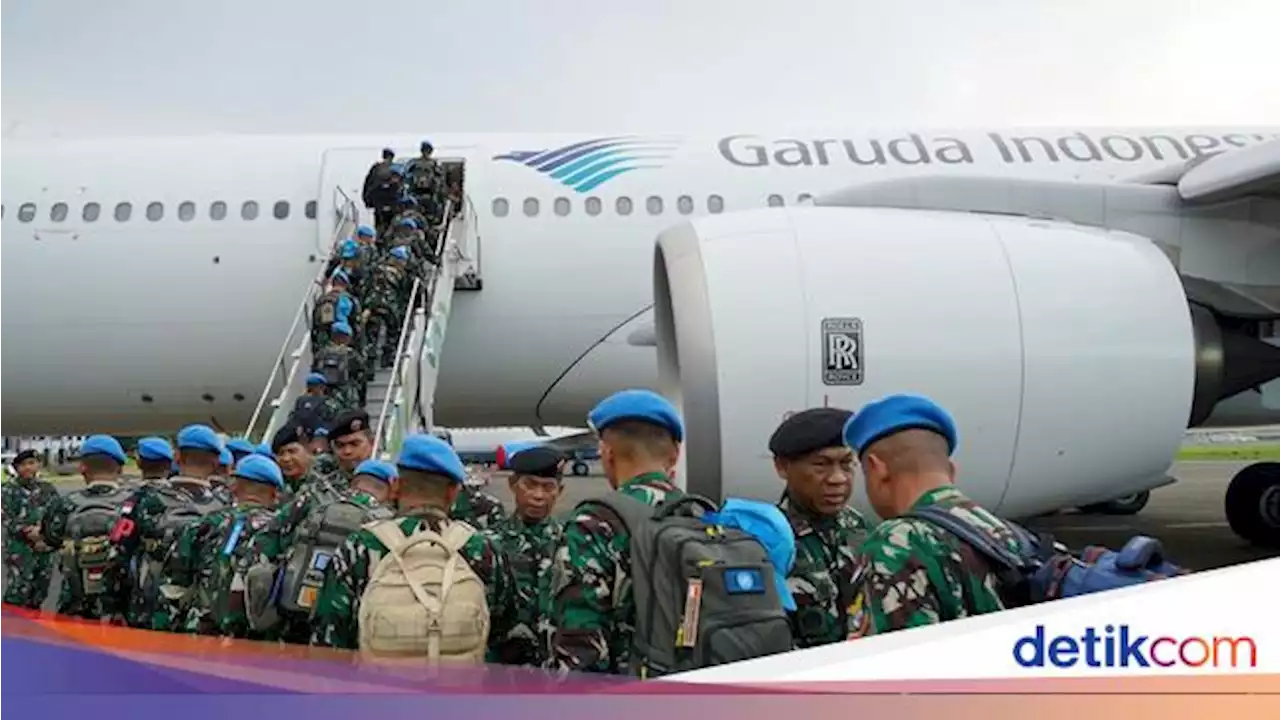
point(364, 231)
point(341, 327)
point(199, 437)
point(409, 223)
point(240, 446)
point(401, 252)
point(350, 249)
point(321, 432)
point(384, 471)
point(103, 445)
point(261, 470)
point(340, 275)
point(154, 448)
point(264, 449)
point(643, 405)
point(427, 453)
point(316, 379)
point(895, 413)
point(226, 458)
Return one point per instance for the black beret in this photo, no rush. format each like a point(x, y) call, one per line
point(537, 461)
point(809, 430)
point(292, 432)
point(349, 423)
point(25, 455)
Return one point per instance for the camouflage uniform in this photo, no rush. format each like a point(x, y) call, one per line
point(321, 332)
point(591, 626)
point(820, 581)
point(56, 533)
point(477, 508)
point(338, 606)
point(140, 542)
point(347, 395)
point(203, 586)
point(427, 184)
point(911, 573)
point(27, 570)
point(530, 550)
point(388, 295)
point(271, 546)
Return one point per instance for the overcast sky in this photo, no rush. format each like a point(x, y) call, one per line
point(88, 67)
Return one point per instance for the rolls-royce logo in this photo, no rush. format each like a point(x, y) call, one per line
point(842, 351)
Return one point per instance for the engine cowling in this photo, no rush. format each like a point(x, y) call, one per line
point(1066, 354)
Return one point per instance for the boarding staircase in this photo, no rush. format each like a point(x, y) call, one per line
point(400, 399)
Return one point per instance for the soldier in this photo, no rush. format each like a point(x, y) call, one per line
point(28, 561)
point(529, 538)
point(312, 531)
point(337, 304)
point(385, 306)
point(203, 582)
point(151, 519)
point(352, 441)
point(809, 454)
point(425, 178)
point(155, 458)
point(342, 368)
point(315, 405)
point(910, 572)
point(593, 614)
point(240, 449)
point(293, 455)
point(430, 474)
point(381, 187)
point(80, 523)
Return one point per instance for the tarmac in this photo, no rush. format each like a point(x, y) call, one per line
point(1187, 517)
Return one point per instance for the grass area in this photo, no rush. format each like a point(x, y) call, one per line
point(1248, 451)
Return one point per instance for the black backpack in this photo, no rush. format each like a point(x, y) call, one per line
point(334, 362)
point(333, 518)
point(86, 556)
point(704, 594)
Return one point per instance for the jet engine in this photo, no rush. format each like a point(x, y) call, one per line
point(1067, 354)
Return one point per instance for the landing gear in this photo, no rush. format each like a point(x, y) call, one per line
point(1253, 504)
point(580, 468)
point(1127, 505)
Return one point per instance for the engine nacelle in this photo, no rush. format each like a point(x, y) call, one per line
point(1066, 354)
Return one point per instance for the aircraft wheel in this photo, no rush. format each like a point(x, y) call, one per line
point(1253, 504)
point(580, 468)
point(1127, 505)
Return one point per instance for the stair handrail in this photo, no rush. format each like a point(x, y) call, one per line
point(348, 214)
point(397, 368)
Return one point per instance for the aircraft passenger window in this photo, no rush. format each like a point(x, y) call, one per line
point(531, 206)
point(27, 212)
point(217, 210)
point(653, 205)
point(623, 206)
point(58, 212)
point(562, 206)
point(155, 211)
point(715, 204)
point(124, 211)
point(593, 206)
point(501, 207)
point(187, 211)
point(249, 210)
point(804, 197)
point(91, 212)
point(776, 201)
point(280, 210)
point(684, 204)
point(310, 210)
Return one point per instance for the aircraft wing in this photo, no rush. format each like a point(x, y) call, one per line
point(575, 443)
point(1250, 171)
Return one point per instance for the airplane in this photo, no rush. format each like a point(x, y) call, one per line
point(1077, 297)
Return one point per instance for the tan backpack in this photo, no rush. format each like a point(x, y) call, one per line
point(423, 598)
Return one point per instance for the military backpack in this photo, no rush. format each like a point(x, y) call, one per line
point(87, 549)
point(333, 518)
point(704, 594)
point(334, 362)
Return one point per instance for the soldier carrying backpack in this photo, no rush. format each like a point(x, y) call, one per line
point(289, 571)
point(939, 555)
point(640, 435)
point(418, 586)
point(80, 524)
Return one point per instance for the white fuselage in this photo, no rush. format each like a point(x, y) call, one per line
point(142, 325)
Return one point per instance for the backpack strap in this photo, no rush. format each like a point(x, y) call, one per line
point(1010, 568)
point(617, 507)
